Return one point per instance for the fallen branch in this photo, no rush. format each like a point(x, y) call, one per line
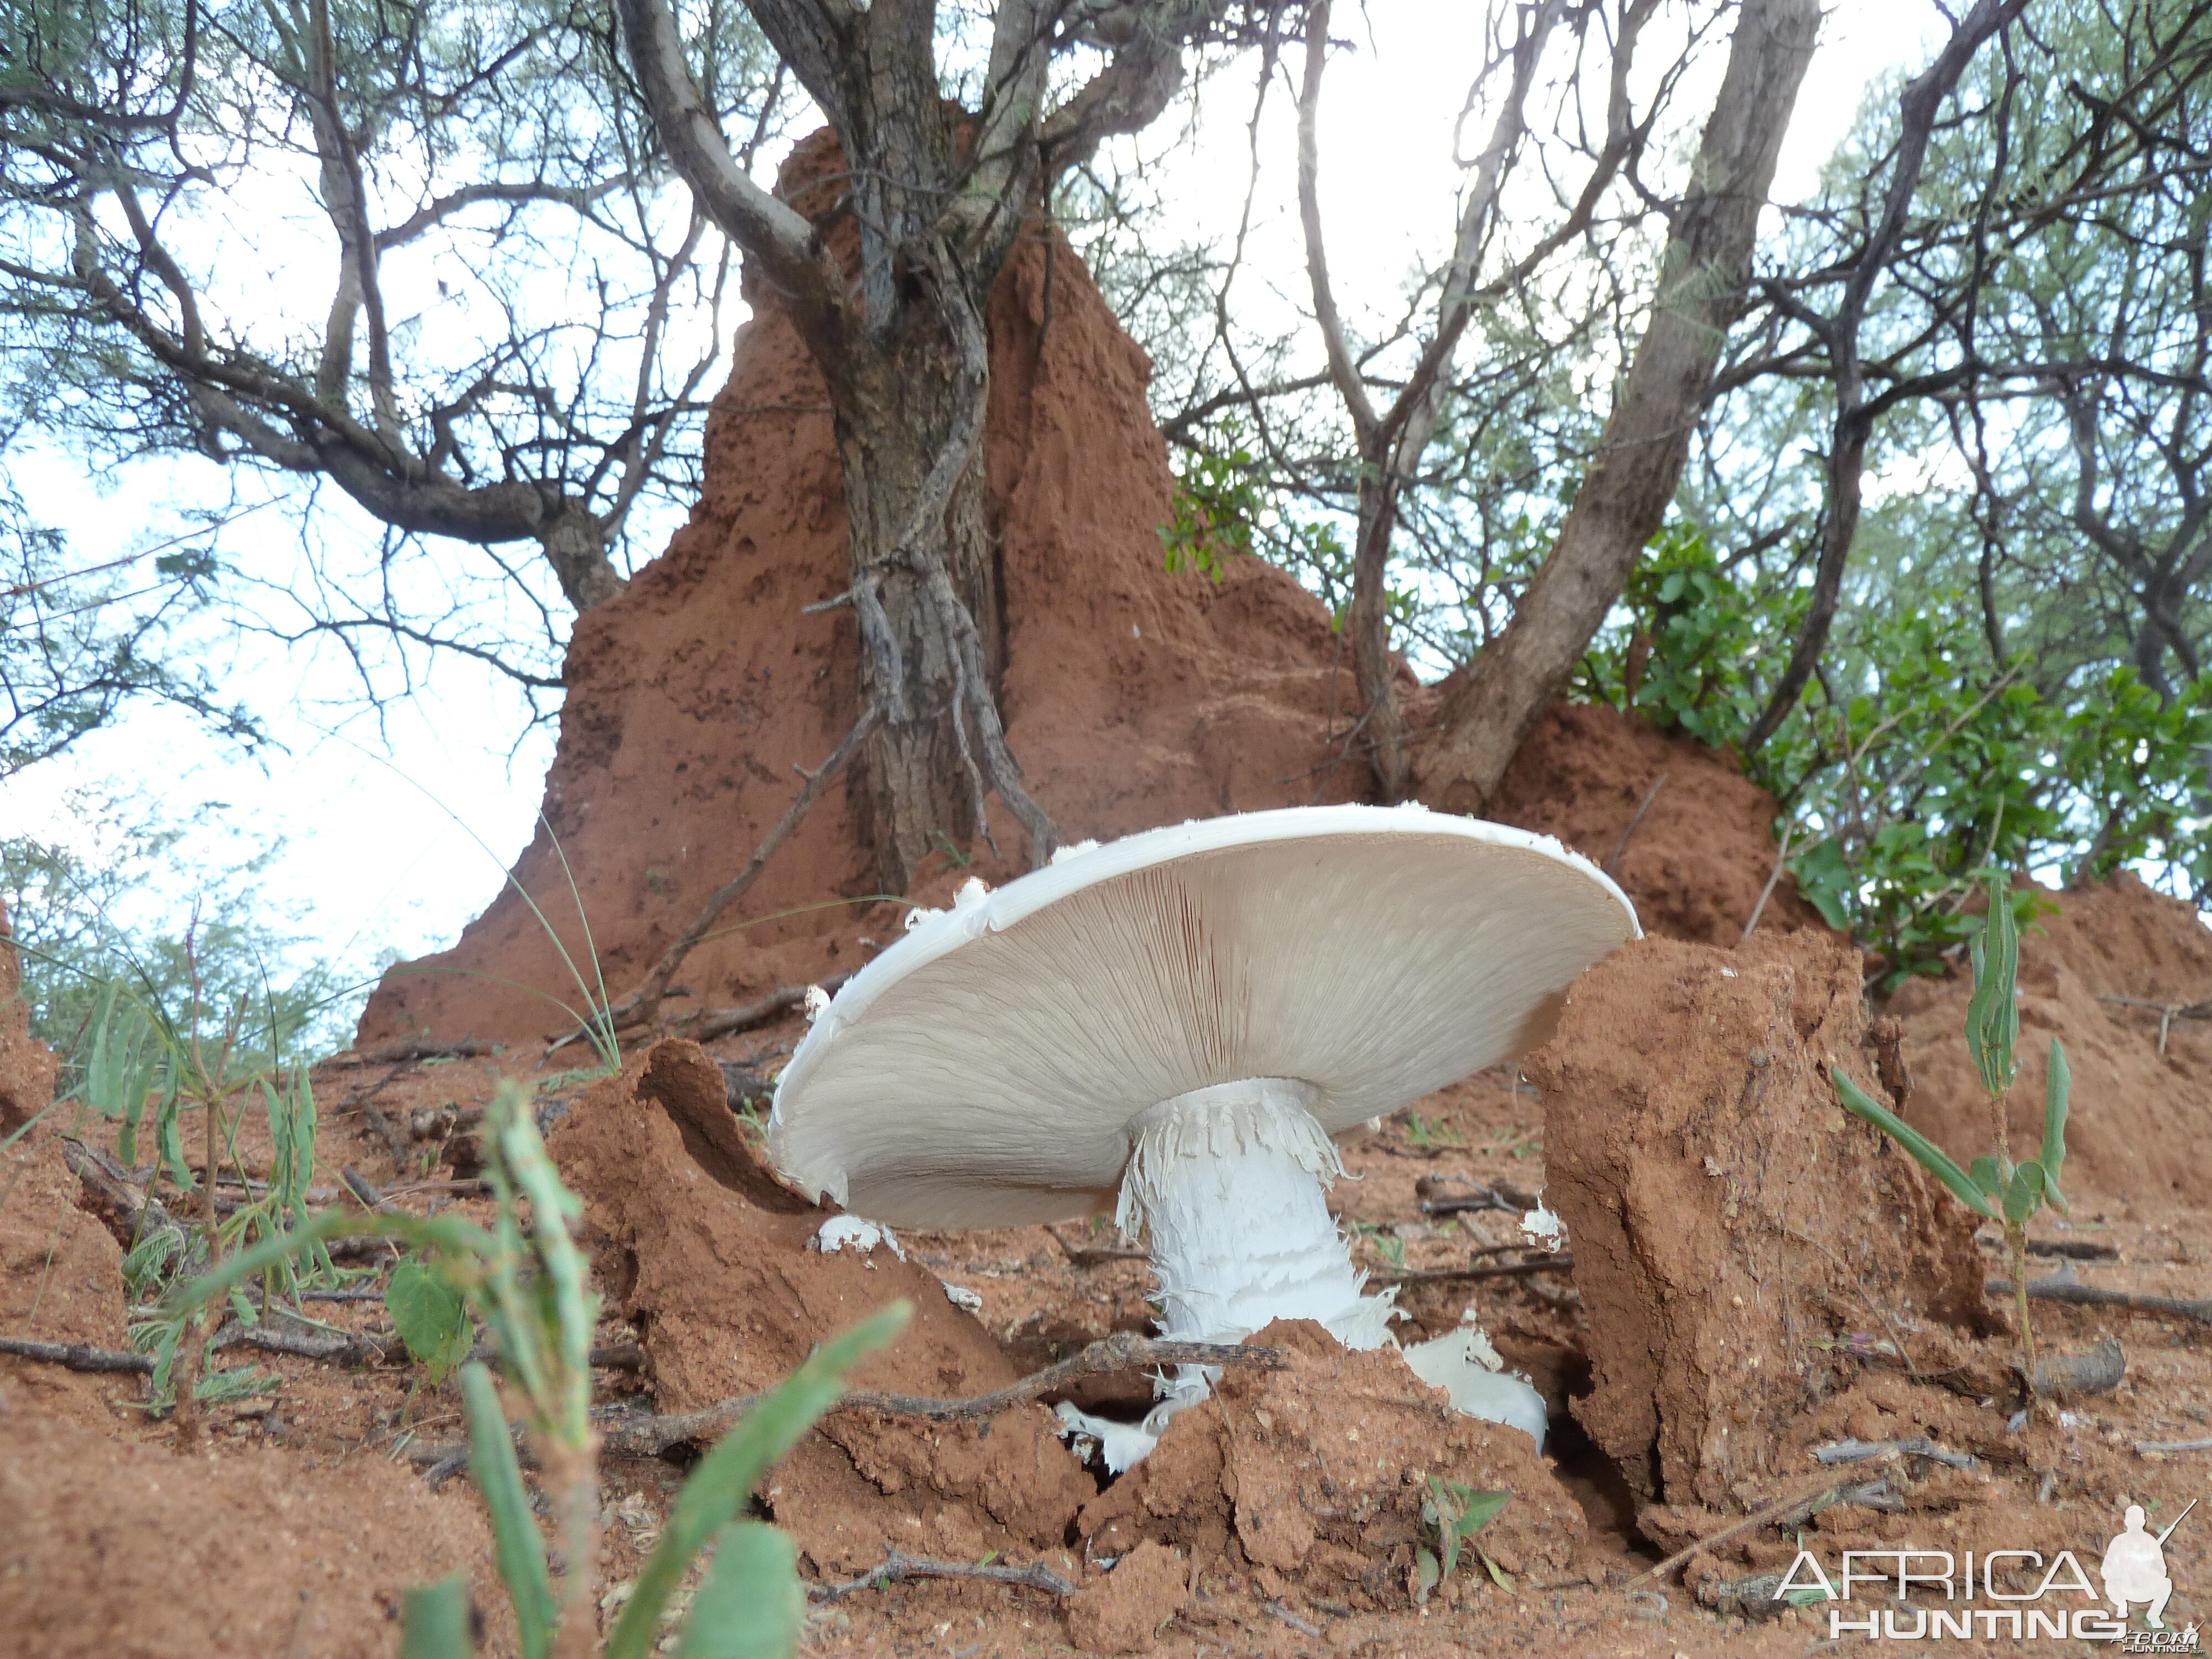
point(1494, 1195)
point(1123, 1351)
point(2148, 1446)
point(640, 1007)
point(2167, 1013)
point(1780, 863)
point(409, 1052)
point(77, 1356)
point(1302, 1626)
point(1560, 1263)
point(2064, 1287)
point(1857, 1451)
point(1087, 1256)
point(706, 1026)
point(104, 1191)
point(1621, 846)
point(1811, 1502)
point(898, 1567)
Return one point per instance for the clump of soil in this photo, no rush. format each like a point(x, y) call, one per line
point(27, 1065)
point(709, 1258)
point(60, 1282)
point(1122, 1611)
point(129, 1552)
point(1731, 1224)
point(1695, 862)
point(2137, 1129)
point(1312, 1478)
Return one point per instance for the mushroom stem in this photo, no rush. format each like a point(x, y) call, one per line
point(1229, 1180)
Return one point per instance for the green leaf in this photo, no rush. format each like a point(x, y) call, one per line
point(2023, 1194)
point(1498, 1576)
point(724, 1481)
point(1993, 1014)
point(429, 1316)
point(519, 1549)
point(1429, 1575)
point(2058, 1089)
point(435, 1622)
point(752, 1605)
point(1925, 1152)
point(1984, 1174)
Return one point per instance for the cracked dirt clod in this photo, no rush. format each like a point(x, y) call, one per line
point(1704, 1292)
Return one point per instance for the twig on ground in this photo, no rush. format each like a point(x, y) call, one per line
point(361, 1187)
point(1562, 1263)
point(128, 1213)
point(1492, 1196)
point(409, 1053)
point(2167, 1013)
point(1088, 1256)
point(1621, 846)
point(1857, 1451)
point(2063, 1286)
point(77, 1356)
point(640, 1007)
point(897, 1567)
point(2148, 1446)
point(1780, 863)
point(1279, 1611)
point(713, 1023)
point(1123, 1351)
point(1812, 1500)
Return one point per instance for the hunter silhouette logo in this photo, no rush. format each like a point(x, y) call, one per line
point(2063, 1603)
point(2134, 1568)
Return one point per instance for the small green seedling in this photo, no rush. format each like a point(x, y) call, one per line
point(1994, 1186)
point(1457, 1513)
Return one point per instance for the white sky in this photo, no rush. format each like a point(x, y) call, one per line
point(396, 839)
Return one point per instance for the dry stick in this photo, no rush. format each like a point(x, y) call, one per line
point(2064, 1287)
point(77, 1356)
point(640, 1005)
point(1562, 1263)
point(408, 1053)
point(1621, 846)
point(1818, 1497)
point(2146, 1446)
point(2167, 1013)
point(1781, 861)
point(898, 1566)
point(1121, 1351)
point(723, 1022)
point(1084, 1256)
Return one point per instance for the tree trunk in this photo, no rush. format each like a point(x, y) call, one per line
point(1367, 623)
point(921, 774)
point(1703, 276)
point(575, 545)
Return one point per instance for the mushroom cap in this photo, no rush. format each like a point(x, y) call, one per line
point(984, 1070)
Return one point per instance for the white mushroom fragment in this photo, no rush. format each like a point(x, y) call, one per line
point(1175, 1025)
point(841, 1232)
point(1465, 1366)
point(1543, 1229)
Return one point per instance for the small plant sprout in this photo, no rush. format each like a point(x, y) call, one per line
point(1994, 1186)
point(1457, 1513)
point(524, 1279)
point(1175, 1027)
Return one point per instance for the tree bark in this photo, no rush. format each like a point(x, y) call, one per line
point(575, 545)
point(1703, 276)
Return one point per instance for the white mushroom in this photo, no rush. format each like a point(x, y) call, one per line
point(841, 1232)
point(1175, 1025)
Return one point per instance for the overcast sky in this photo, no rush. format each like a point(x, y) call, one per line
point(394, 838)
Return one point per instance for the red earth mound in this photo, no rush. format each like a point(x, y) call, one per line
point(1134, 697)
point(26, 1067)
point(2108, 973)
point(708, 1257)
